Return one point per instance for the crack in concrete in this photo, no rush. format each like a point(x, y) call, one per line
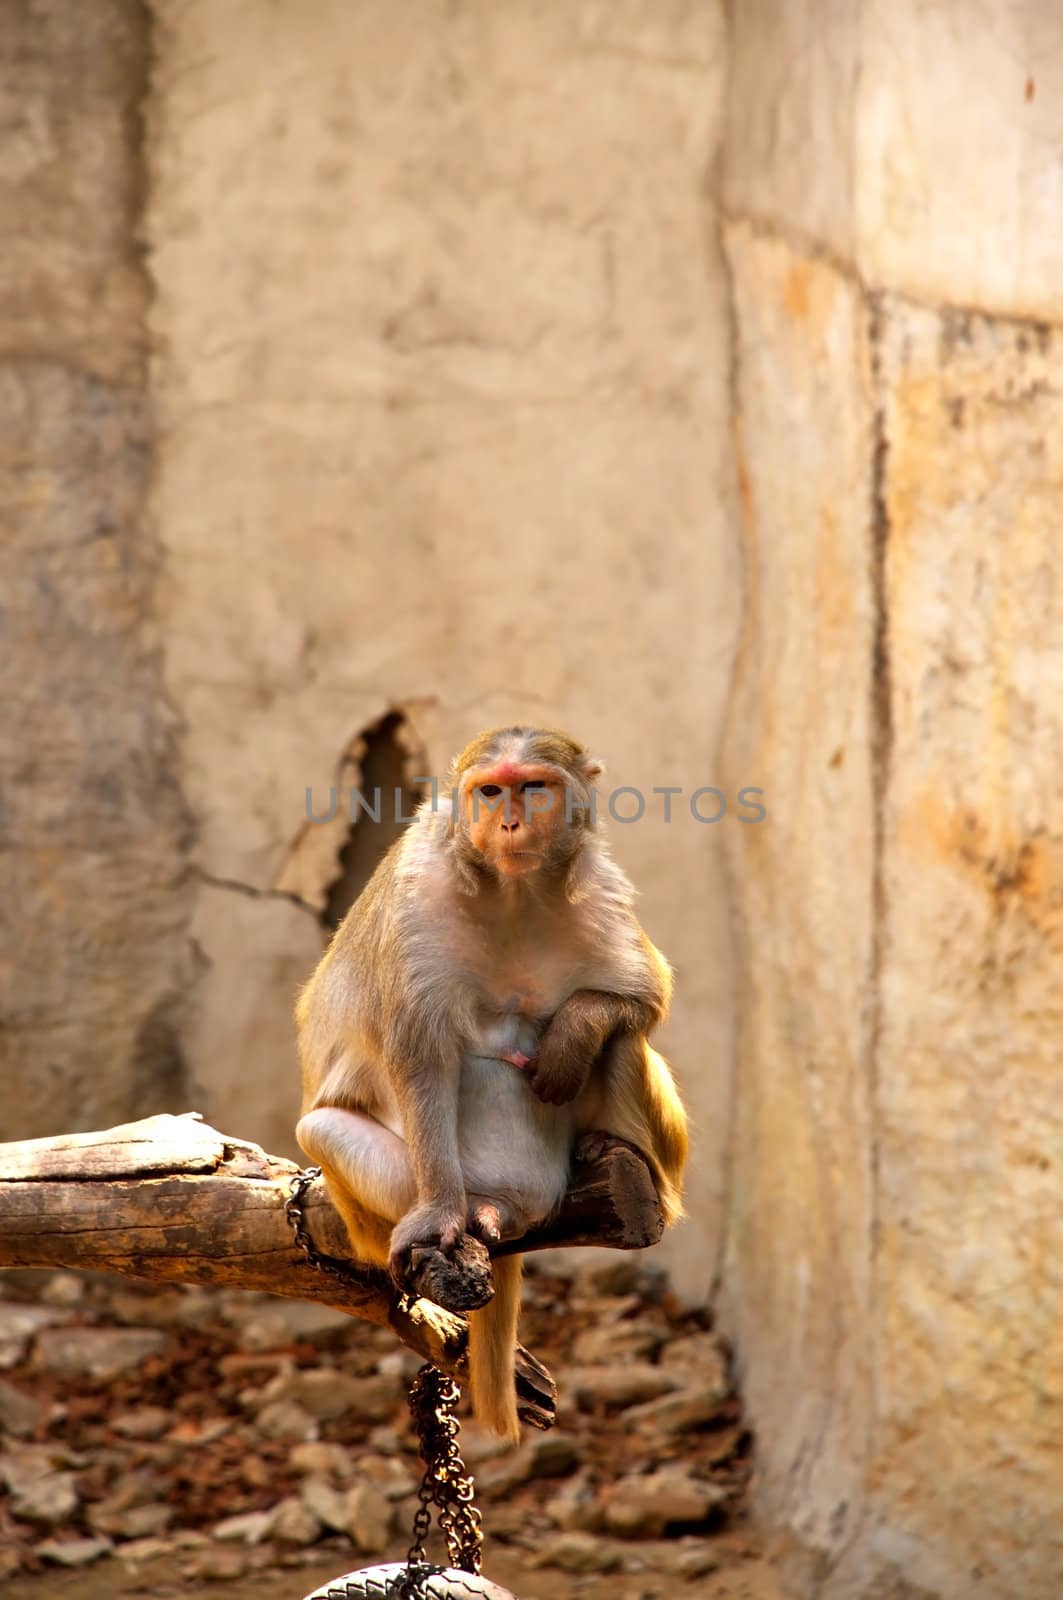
point(881, 722)
point(741, 651)
point(806, 245)
point(234, 886)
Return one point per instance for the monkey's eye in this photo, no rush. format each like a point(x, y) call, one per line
point(489, 790)
point(536, 783)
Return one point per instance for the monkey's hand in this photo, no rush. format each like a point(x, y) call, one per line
point(567, 1052)
point(427, 1224)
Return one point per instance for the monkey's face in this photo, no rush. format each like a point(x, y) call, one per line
point(515, 816)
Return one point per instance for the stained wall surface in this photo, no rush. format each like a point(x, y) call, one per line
point(95, 960)
point(441, 366)
point(365, 383)
point(893, 1285)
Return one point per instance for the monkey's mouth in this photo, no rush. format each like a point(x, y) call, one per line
point(517, 860)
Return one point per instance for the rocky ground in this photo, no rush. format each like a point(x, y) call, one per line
point(177, 1441)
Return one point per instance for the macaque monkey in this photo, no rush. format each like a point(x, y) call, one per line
point(486, 1000)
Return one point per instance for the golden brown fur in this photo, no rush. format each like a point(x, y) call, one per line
point(487, 999)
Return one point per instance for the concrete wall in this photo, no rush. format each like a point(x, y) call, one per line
point(441, 388)
point(461, 321)
point(893, 198)
point(94, 957)
point(434, 429)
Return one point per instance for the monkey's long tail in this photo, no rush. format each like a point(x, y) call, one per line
point(492, 1345)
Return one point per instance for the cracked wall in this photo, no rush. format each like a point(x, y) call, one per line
point(95, 963)
point(441, 334)
point(892, 1280)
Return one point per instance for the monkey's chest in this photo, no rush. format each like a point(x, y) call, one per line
point(526, 977)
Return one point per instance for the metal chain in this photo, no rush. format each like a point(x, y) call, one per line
point(446, 1483)
point(417, 1565)
point(294, 1210)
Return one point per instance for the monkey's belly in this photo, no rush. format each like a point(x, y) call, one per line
point(512, 1146)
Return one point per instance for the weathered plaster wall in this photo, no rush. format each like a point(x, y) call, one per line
point(438, 423)
point(893, 1280)
point(441, 366)
point(800, 1206)
point(93, 951)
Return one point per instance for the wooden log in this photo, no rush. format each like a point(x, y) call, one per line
point(172, 1199)
point(611, 1200)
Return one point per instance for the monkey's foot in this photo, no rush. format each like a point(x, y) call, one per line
point(458, 1282)
point(485, 1222)
point(591, 1147)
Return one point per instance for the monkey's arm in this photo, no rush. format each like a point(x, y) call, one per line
point(424, 1065)
point(575, 1037)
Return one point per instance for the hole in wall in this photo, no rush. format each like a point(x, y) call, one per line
point(384, 765)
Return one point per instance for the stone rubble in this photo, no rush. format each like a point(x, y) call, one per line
point(96, 1353)
point(230, 1433)
point(20, 1413)
point(74, 1552)
point(18, 1326)
point(292, 1522)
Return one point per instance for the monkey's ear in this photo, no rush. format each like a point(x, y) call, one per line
point(591, 768)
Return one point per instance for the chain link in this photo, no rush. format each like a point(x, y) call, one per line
point(446, 1483)
point(294, 1210)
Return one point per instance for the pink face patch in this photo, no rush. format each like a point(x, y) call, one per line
point(505, 773)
